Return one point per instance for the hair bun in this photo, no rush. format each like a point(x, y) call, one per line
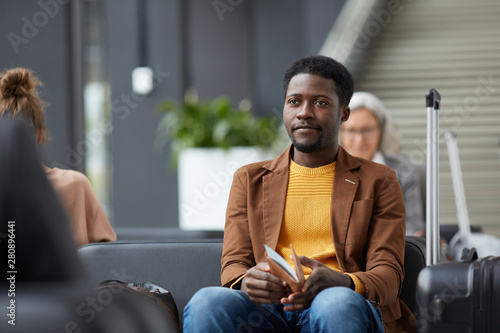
point(17, 82)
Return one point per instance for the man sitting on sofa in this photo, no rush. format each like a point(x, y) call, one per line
point(344, 215)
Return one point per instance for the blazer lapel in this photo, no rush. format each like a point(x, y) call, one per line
point(274, 188)
point(345, 185)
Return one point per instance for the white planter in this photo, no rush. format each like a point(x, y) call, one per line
point(205, 176)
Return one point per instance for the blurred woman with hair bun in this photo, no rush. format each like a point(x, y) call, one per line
point(19, 98)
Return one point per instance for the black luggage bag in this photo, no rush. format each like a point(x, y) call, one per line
point(455, 296)
point(460, 296)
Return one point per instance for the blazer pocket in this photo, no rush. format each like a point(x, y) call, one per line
point(359, 222)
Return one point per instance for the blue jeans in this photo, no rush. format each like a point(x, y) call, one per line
point(337, 309)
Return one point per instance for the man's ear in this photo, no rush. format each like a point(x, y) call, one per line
point(344, 113)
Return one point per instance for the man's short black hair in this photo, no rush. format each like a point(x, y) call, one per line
point(325, 67)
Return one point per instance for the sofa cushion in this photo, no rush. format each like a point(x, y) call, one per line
point(180, 267)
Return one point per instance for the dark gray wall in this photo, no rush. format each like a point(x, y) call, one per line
point(220, 50)
point(145, 190)
point(41, 42)
point(240, 52)
point(285, 30)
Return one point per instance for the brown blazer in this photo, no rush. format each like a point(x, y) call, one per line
point(368, 226)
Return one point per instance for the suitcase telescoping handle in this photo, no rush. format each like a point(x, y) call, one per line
point(433, 104)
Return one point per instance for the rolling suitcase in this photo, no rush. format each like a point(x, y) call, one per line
point(456, 296)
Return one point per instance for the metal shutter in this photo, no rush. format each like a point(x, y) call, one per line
point(453, 46)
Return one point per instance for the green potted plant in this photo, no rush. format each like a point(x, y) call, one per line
point(216, 123)
point(209, 141)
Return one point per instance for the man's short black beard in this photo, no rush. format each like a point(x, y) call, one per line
point(309, 148)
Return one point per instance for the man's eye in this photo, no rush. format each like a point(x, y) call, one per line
point(321, 103)
point(293, 101)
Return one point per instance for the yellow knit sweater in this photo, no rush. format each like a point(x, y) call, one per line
point(306, 222)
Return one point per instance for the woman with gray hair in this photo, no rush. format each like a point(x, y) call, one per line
point(371, 134)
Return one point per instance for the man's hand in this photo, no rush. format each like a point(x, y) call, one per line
point(262, 286)
point(321, 278)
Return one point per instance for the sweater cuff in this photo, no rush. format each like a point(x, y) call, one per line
point(232, 286)
point(359, 287)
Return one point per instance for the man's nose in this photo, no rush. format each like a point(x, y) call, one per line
point(306, 111)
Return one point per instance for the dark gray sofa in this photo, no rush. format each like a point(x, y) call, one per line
point(180, 267)
point(183, 267)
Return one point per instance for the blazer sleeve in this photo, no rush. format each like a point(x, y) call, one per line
point(237, 253)
point(383, 276)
